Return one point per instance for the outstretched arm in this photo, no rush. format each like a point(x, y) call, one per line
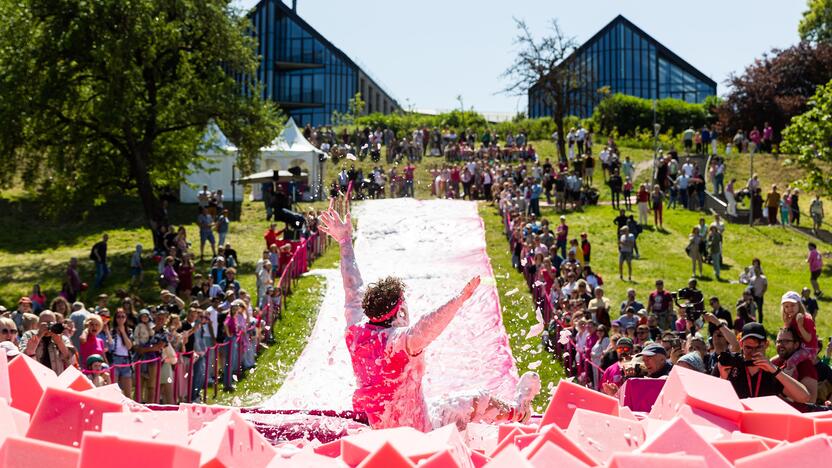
point(430, 326)
point(330, 222)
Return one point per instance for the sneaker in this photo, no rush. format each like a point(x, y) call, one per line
point(527, 388)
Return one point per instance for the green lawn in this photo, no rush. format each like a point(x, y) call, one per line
point(782, 251)
point(517, 308)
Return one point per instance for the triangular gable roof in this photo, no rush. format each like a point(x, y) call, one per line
point(215, 139)
point(291, 140)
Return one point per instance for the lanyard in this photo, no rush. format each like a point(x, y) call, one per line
point(759, 381)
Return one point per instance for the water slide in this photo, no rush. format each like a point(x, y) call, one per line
point(436, 246)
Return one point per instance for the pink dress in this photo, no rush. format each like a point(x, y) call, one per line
point(93, 345)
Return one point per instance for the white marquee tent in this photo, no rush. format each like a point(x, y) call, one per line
point(292, 149)
point(216, 173)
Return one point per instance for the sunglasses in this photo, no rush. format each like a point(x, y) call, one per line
point(8, 330)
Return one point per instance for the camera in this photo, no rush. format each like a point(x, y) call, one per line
point(633, 369)
point(729, 359)
point(694, 305)
point(56, 328)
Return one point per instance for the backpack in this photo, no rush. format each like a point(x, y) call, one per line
point(92, 253)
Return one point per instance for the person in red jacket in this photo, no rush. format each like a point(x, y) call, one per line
point(272, 236)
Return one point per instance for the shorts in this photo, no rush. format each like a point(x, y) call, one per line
point(625, 256)
point(206, 236)
point(815, 274)
point(122, 371)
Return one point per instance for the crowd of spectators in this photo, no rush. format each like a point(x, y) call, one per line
point(602, 342)
point(204, 327)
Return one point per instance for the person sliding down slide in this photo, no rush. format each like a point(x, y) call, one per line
point(387, 352)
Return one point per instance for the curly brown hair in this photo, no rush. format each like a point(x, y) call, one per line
point(381, 297)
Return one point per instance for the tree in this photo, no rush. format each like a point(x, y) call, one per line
point(775, 87)
point(355, 107)
point(816, 24)
point(112, 96)
point(809, 138)
point(543, 66)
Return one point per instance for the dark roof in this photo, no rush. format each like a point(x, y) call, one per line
point(286, 10)
point(679, 61)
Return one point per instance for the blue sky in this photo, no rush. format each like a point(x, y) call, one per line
point(429, 52)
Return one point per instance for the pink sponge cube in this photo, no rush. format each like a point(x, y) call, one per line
point(99, 450)
point(600, 435)
point(569, 396)
point(679, 437)
point(655, 460)
point(813, 451)
point(699, 391)
point(229, 440)
point(29, 380)
point(18, 452)
point(62, 416)
point(73, 379)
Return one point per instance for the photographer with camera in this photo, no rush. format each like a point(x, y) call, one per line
point(613, 376)
point(752, 374)
point(48, 345)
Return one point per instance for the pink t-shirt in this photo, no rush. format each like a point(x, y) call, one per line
point(809, 326)
point(389, 379)
point(93, 345)
point(815, 261)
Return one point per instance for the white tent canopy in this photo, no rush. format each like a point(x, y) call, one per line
point(217, 171)
point(292, 149)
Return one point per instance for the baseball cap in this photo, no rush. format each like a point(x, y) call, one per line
point(790, 296)
point(753, 330)
point(93, 359)
point(694, 360)
point(616, 323)
point(653, 349)
point(104, 312)
point(624, 342)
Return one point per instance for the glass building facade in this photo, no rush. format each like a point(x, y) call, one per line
point(305, 74)
point(625, 59)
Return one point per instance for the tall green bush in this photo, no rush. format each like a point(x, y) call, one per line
point(629, 115)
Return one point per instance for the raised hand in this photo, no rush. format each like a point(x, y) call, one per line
point(469, 288)
point(331, 223)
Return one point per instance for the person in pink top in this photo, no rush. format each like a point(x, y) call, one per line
point(815, 262)
point(387, 351)
point(90, 342)
point(796, 318)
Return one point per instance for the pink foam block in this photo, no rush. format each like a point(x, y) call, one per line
point(305, 460)
point(443, 459)
point(19, 452)
point(386, 457)
point(697, 390)
point(73, 379)
point(599, 435)
point(329, 449)
point(679, 436)
point(10, 424)
point(734, 449)
point(626, 413)
point(450, 437)
point(411, 443)
point(481, 437)
point(479, 460)
point(113, 393)
point(768, 404)
point(199, 415)
point(5, 383)
point(99, 450)
point(169, 426)
point(654, 460)
point(29, 379)
point(504, 429)
point(552, 456)
point(823, 426)
point(506, 441)
point(640, 394)
point(523, 441)
point(791, 427)
point(701, 417)
point(552, 433)
point(230, 440)
point(62, 416)
point(569, 396)
point(509, 458)
point(813, 451)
